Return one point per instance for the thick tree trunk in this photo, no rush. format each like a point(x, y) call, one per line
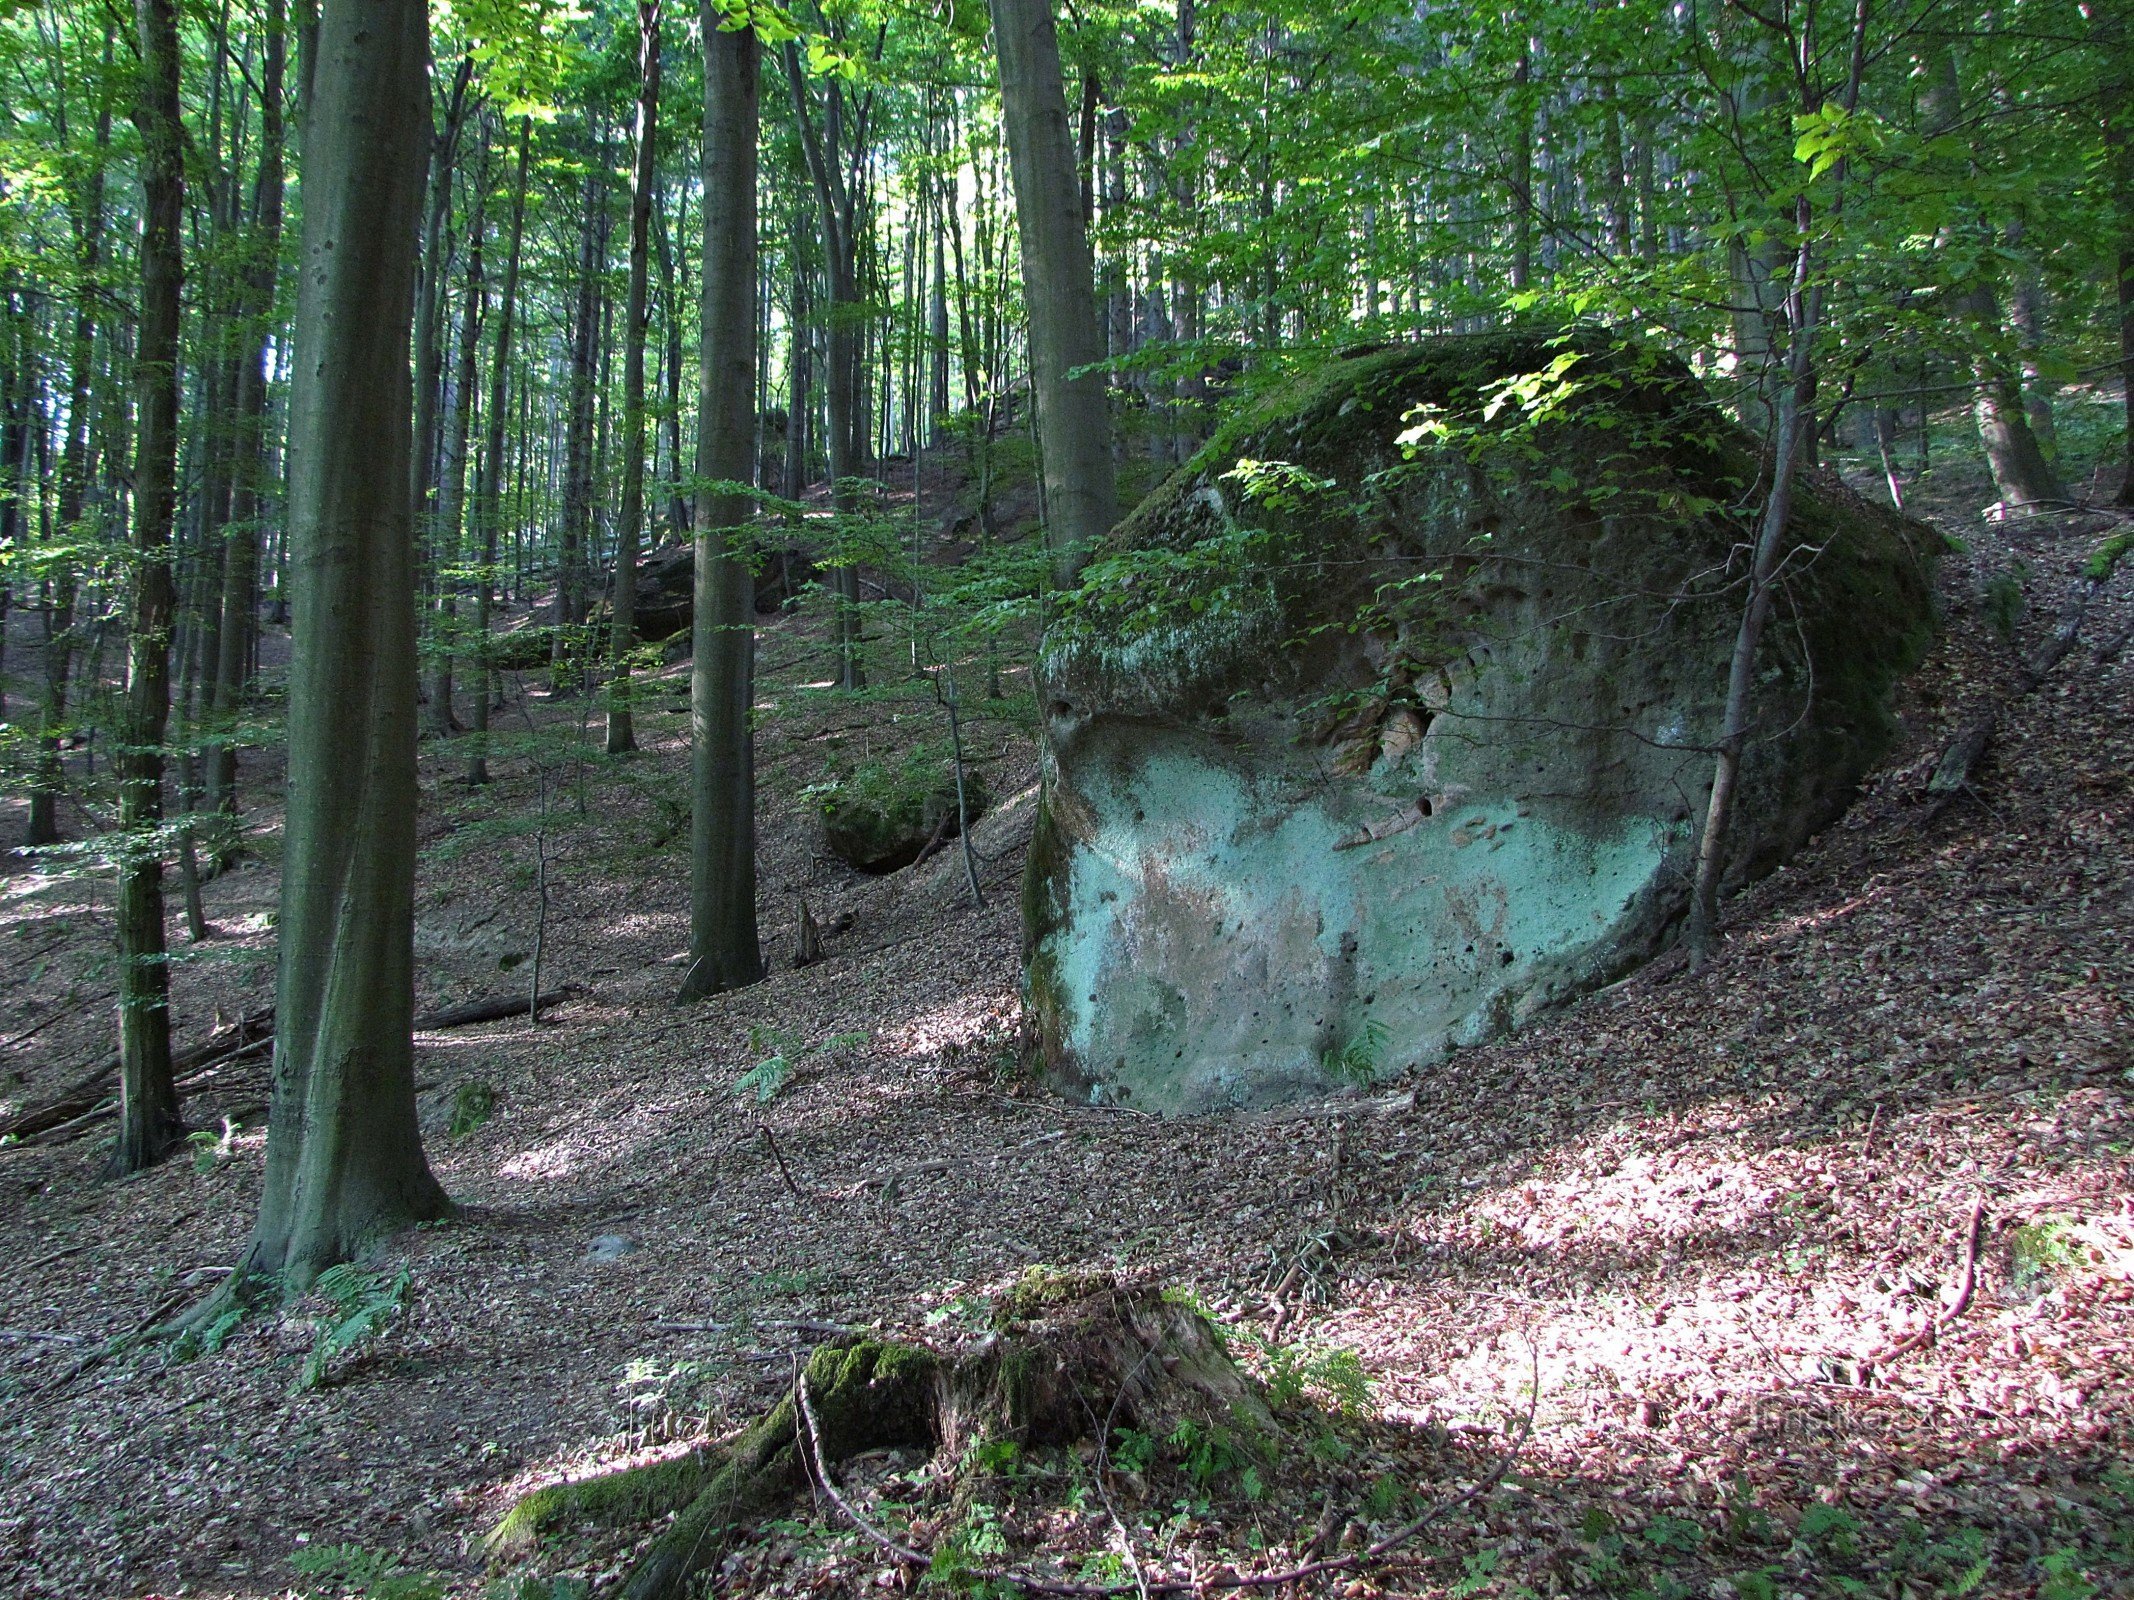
point(622, 736)
point(148, 1121)
point(1081, 498)
point(488, 515)
point(2022, 475)
point(344, 1158)
point(724, 951)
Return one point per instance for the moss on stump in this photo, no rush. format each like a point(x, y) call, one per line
point(1064, 1354)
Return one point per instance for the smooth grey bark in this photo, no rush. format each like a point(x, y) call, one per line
point(149, 1125)
point(573, 554)
point(724, 950)
point(622, 736)
point(489, 510)
point(836, 212)
point(253, 458)
point(344, 1157)
point(670, 303)
point(452, 498)
point(1081, 496)
point(431, 267)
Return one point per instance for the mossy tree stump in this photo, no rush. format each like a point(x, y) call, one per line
point(1067, 1357)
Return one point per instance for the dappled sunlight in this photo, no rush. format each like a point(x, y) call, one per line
point(973, 1020)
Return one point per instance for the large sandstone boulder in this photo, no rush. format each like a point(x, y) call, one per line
point(1358, 751)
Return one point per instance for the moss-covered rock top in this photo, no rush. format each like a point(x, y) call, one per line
point(1388, 720)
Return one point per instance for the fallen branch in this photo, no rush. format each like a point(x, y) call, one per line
point(86, 1100)
point(1967, 1285)
point(784, 1171)
point(1952, 773)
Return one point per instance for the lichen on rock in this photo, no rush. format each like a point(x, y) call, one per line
point(1387, 722)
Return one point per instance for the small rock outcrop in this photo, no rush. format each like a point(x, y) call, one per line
point(883, 816)
point(1387, 723)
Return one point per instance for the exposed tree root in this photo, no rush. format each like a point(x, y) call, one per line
point(1067, 1357)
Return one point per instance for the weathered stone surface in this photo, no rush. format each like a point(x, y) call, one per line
point(882, 817)
point(1393, 753)
point(663, 603)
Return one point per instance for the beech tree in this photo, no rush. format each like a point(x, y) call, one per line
point(344, 1158)
point(622, 735)
point(724, 952)
point(148, 1114)
point(1065, 339)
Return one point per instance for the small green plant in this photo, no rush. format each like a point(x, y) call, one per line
point(213, 1334)
point(211, 1150)
point(1674, 1535)
point(2063, 1576)
point(1759, 1584)
point(353, 1572)
point(2002, 600)
point(1133, 1450)
point(1333, 1376)
point(962, 1554)
point(362, 1304)
point(1477, 1572)
point(1384, 1500)
point(768, 1078)
point(472, 1105)
point(528, 1587)
point(1828, 1530)
point(1356, 1060)
point(2039, 1251)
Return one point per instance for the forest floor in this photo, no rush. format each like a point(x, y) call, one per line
point(1670, 1224)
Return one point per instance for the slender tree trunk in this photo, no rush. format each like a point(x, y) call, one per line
point(452, 502)
point(1793, 416)
point(148, 1116)
point(1522, 185)
point(344, 1157)
point(621, 735)
point(574, 552)
point(848, 420)
point(76, 467)
point(254, 466)
point(2110, 23)
point(671, 300)
point(1081, 497)
point(724, 951)
point(488, 515)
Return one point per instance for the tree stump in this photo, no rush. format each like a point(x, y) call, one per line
point(1067, 1357)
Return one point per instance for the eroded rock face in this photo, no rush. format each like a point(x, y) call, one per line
point(1426, 750)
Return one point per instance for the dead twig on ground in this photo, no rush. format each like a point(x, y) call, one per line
point(784, 1171)
point(1967, 1284)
